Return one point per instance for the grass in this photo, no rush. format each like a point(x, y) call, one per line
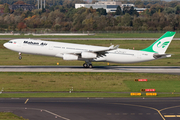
point(74, 94)
point(55, 84)
point(159, 85)
point(101, 82)
point(62, 82)
point(97, 35)
point(9, 116)
point(8, 57)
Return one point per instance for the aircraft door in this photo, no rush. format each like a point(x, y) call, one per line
point(139, 55)
point(50, 47)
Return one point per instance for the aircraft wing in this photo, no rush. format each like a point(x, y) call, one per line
point(95, 53)
point(112, 47)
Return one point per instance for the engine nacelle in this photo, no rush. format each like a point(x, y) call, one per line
point(70, 57)
point(88, 55)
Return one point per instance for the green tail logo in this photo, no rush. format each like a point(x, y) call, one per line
point(159, 45)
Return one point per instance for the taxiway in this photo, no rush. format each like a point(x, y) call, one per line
point(93, 108)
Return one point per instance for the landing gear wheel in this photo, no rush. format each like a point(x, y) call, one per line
point(85, 65)
point(90, 66)
point(20, 57)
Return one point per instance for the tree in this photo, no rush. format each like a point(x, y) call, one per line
point(57, 27)
point(137, 23)
point(6, 8)
point(169, 10)
point(177, 9)
point(147, 12)
point(20, 3)
point(62, 9)
point(101, 11)
point(155, 8)
point(43, 10)
point(17, 19)
point(7, 19)
point(132, 11)
point(126, 20)
point(118, 11)
point(125, 10)
point(21, 26)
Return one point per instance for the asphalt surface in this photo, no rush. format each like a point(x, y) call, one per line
point(140, 69)
point(93, 108)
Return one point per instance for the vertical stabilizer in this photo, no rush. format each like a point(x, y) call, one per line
point(160, 46)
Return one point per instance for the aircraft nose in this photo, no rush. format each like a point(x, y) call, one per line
point(5, 45)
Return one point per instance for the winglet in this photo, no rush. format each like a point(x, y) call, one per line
point(116, 47)
point(113, 48)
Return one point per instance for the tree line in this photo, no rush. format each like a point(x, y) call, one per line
point(65, 17)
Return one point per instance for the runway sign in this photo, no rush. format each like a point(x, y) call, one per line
point(151, 94)
point(141, 80)
point(148, 90)
point(135, 94)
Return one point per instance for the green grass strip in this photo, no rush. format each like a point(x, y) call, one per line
point(84, 95)
point(87, 81)
point(9, 116)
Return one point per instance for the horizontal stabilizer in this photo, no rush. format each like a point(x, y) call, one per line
point(157, 56)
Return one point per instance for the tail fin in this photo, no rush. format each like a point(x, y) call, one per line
point(160, 46)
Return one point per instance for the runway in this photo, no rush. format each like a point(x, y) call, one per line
point(93, 108)
point(138, 69)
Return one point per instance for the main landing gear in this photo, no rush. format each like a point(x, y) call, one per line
point(20, 57)
point(87, 65)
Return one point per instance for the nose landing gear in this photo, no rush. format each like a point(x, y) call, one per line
point(20, 57)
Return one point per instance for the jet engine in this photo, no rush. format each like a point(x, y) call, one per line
point(88, 55)
point(70, 57)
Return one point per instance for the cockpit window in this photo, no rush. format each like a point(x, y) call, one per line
point(10, 42)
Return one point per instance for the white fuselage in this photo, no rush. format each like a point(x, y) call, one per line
point(59, 49)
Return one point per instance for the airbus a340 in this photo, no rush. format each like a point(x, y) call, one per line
point(88, 53)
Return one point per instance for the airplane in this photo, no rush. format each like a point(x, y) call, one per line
point(89, 53)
